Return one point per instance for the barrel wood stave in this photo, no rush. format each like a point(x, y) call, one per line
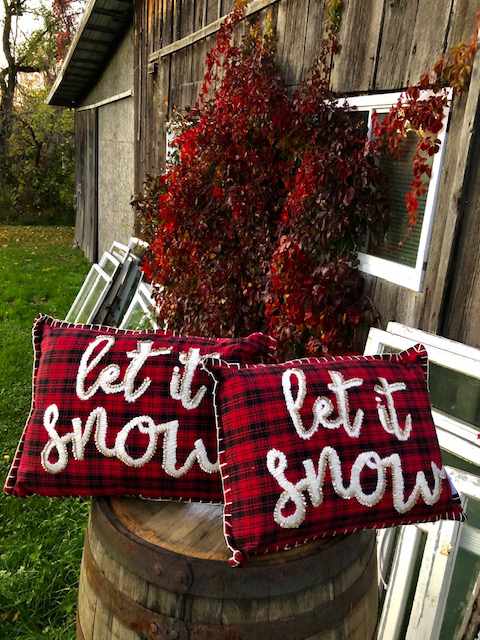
point(135, 584)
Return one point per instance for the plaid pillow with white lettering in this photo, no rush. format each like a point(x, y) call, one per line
point(318, 447)
point(119, 412)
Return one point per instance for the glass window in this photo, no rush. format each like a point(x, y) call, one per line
point(401, 258)
point(401, 243)
point(82, 296)
point(108, 263)
point(456, 394)
point(451, 392)
point(95, 296)
point(454, 381)
point(460, 612)
point(137, 318)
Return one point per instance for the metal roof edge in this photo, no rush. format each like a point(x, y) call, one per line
point(71, 50)
point(53, 98)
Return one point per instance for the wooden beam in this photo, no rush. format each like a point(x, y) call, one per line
point(254, 7)
point(445, 227)
point(111, 13)
point(115, 98)
point(100, 29)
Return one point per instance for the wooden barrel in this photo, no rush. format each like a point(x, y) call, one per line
point(158, 571)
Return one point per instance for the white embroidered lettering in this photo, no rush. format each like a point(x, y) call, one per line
point(198, 454)
point(313, 483)
point(181, 386)
point(139, 357)
point(323, 407)
point(388, 415)
point(110, 374)
point(97, 422)
point(145, 425)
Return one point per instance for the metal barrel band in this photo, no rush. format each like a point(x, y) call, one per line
point(214, 578)
point(156, 626)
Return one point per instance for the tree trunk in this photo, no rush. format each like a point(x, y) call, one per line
point(6, 111)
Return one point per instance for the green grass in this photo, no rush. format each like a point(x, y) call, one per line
point(40, 539)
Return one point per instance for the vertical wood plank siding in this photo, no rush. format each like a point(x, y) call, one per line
point(386, 44)
point(86, 146)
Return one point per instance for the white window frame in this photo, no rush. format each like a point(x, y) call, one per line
point(109, 258)
point(397, 556)
point(444, 539)
point(137, 246)
point(454, 436)
point(100, 275)
point(433, 340)
point(143, 299)
point(120, 251)
point(432, 585)
point(400, 274)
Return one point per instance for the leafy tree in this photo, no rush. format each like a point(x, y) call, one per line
point(40, 184)
point(36, 164)
point(22, 55)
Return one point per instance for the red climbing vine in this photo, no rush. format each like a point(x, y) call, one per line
point(258, 223)
point(218, 207)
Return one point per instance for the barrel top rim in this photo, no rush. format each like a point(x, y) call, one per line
point(191, 529)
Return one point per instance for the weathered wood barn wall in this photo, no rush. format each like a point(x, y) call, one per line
point(386, 44)
point(112, 102)
point(97, 79)
point(159, 47)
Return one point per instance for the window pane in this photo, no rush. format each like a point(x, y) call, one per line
point(451, 460)
point(84, 293)
point(451, 392)
point(401, 244)
point(108, 266)
point(95, 293)
point(464, 587)
point(386, 348)
point(138, 319)
point(455, 394)
point(119, 253)
point(360, 116)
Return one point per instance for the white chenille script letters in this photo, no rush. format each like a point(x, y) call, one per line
point(323, 406)
point(107, 377)
point(181, 386)
point(55, 454)
point(292, 500)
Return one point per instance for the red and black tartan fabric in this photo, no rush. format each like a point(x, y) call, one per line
point(319, 447)
point(152, 444)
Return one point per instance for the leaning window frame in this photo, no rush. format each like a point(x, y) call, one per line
point(454, 436)
point(143, 299)
point(137, 246)
point(100, 275)
point(109, 264)
point(403, 275)
point(437, 565)
point(119, 251)
point(399, 548)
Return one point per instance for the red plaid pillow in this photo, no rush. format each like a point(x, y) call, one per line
point(318, 447)
point(122, 412)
